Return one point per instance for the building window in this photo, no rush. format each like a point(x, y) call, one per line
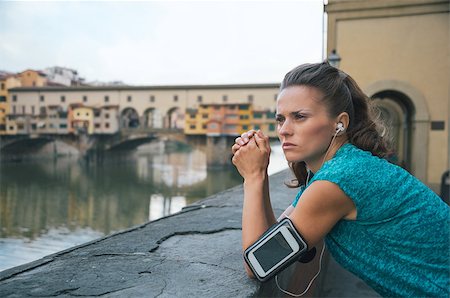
point(97, 125)
point(84, 98)
point(270, 115)
point(192, 116)
point(2, 98)
point(271, 127)
point(250, 98)
point(245, 127)
point(256, 126)
point(14, 98)
point(106, 98)
point(63, 98)
point(106, 125)
point(3, 86)
point(152, 98)
point(41, 98)
point(216, 108)
point(32, 110)
point(204, 126)
point(129, 98)
point(63, 125)
point(175, 98)
point(192, 126)
point(257, 115)
point(107, 115)
point(14, 109)
point(275, 97)
point(225, 98)
point(23, 110)
point(199, 98)
point(243, 107)
point(205, 116)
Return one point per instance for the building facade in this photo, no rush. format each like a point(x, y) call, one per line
point(209, 109)
point(7, 81)
point(397, 51)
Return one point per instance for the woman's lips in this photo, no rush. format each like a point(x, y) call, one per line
point(287, 145)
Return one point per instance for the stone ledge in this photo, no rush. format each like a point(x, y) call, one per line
point(193, 253)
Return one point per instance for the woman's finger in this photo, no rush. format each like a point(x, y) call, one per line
point(235, 148)
point(239, 141)
point(246, 136)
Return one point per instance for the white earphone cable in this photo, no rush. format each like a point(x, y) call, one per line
point(310, 283)
point(323, 247)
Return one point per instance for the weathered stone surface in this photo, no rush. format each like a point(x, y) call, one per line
point(194, 253)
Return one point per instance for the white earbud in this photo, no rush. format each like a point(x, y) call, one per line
point(340, 127)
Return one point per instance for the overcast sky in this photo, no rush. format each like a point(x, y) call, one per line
point(163, 42)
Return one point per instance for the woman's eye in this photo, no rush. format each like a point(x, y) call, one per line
point(299, 116)
point(279, 119)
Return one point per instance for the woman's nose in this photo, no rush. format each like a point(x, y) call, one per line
point(284, 128)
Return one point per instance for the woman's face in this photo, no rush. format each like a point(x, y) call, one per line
point(304, 127)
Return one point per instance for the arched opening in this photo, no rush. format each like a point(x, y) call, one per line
point(152, 118)
point(174, 119)
point(129, 118)
point(396, 111)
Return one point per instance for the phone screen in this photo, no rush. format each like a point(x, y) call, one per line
point(272, 252)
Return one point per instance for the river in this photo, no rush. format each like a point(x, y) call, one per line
point(48, 205)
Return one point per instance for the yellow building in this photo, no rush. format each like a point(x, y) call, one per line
point(82, 119)
point(398, 52)
point(6, 82)
point(230, 119)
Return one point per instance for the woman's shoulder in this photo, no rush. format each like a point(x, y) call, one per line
point(352, 161)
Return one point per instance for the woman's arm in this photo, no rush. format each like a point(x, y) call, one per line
point(252, 160)
point(319, 208)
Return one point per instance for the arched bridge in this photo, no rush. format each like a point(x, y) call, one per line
point(127, 139)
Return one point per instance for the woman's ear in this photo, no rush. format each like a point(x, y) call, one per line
point(344, 119)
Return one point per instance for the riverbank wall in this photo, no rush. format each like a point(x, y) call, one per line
point(193, 253)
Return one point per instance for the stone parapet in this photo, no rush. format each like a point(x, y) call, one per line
point(193, 253)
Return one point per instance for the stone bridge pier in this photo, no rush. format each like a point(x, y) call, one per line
point(218, 150)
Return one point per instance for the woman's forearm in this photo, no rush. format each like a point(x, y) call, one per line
point(268, 205)
point(257, 214)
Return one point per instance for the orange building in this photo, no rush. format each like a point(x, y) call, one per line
point(32, 78)
point(229, 119)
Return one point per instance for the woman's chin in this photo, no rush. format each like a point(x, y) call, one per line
point(292, 157)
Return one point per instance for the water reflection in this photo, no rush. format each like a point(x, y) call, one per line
point(47, 206)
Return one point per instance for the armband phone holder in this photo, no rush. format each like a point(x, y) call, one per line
point(280, 246)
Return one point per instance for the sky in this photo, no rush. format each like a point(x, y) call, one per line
point(163, 42)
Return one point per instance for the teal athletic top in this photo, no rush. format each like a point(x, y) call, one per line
point(399, 242)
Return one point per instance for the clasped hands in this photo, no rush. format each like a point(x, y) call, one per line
point(251, 152)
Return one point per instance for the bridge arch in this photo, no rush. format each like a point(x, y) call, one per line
point(152, 118)
point(174, 118)
point(129, 118)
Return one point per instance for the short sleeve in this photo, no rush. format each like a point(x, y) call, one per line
point(299, 194)
point(361, 179)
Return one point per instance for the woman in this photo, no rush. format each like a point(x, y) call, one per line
point(378, 221)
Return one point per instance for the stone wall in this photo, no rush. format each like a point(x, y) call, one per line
point(194, 253)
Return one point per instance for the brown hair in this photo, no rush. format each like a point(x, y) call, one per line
point(340, 94)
